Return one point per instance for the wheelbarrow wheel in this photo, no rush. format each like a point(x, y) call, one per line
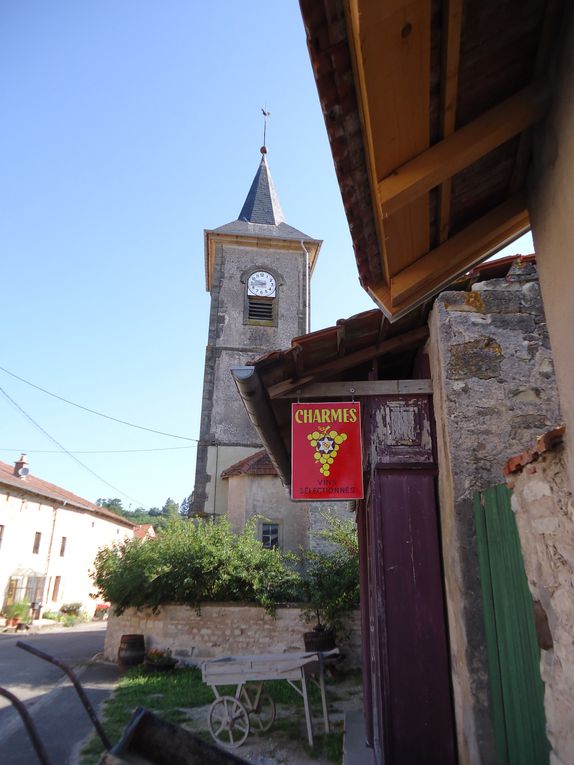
point(263, 715)
point(228, 721)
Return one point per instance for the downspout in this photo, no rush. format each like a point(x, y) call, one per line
point(46, 594)
point(307, 289)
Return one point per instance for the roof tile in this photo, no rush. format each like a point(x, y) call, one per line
point(33, 485)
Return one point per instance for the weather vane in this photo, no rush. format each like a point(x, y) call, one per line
point(265, 115)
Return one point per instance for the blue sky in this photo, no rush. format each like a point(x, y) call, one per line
point(128, 128)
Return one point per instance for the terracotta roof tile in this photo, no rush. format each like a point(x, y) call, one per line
point(34, 485)
point(143, 530)
point(256, 464)
point(544, 443)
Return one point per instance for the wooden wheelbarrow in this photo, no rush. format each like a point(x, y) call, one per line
point(232, 717)
point(147, 740)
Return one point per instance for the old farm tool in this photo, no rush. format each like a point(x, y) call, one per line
point(231, 717)
point(147, 740)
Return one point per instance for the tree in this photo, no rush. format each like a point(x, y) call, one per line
point(115, 505)
point(170, 508)
point(185, 507)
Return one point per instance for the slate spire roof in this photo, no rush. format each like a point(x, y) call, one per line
point(261, 214)
point(262, 204)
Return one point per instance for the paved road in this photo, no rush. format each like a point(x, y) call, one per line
point(29, 677)
point(55, 708)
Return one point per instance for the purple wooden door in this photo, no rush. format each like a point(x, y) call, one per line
point(412, 719)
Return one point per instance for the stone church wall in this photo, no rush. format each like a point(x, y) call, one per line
point(544, 509)
point(265, 496)
point(319, 513)
point(222, 630)
point(494, 392)
point(227, 434)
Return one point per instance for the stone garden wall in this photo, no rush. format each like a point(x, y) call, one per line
point(494, 392)
point(222, 630)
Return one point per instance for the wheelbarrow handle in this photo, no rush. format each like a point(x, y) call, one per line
point(80, 691)
point(30, 727)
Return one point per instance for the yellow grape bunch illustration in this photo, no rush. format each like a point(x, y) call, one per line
point(326, 443)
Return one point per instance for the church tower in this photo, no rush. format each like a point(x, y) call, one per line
point(257, 271)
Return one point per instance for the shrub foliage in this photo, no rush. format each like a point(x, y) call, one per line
point(195, 562)
point(330, 582)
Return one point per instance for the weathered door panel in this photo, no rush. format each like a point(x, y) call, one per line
point(409, 660)
point(517, 691)
point(366, 624)
point(416, 684)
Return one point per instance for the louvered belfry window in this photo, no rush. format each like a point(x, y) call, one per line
point(259, 308)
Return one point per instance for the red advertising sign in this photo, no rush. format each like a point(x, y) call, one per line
point(326, 456)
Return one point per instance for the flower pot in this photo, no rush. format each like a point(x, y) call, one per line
point(319, 640)
point(167, 665)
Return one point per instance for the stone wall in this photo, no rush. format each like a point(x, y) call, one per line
point(319, 512)
point(222, 630)
point(494, 392)
point(544, 509)
point(232, 341)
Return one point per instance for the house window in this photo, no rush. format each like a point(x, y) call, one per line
point(63, 546)
point(270, 535)
point(56, 588)
point(37, 539)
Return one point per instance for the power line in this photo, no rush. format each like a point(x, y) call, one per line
point(97, 451)
point(63, 448)
point(93, 411)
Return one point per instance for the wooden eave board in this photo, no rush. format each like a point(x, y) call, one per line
point(387, 38)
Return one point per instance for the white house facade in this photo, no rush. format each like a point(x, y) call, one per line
point(49, 539)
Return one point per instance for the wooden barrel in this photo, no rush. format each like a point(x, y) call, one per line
point(131, 650)
point(319, 640)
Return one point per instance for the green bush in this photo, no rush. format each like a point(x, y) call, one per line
point(52, 615)
point(201, 562)
point(330, 584)
point(71, 609)
point(195, 562)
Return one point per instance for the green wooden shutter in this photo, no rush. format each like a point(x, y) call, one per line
point(517, 691)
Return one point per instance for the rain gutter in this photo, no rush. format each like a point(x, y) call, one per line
point(256, 402)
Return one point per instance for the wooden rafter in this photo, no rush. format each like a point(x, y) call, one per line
point(402, 342)
point(450, 67)
point(331, 390)
point(463, 250)
point(462, 148)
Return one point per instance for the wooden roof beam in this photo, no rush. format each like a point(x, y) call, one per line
point(462, 148)
point(462, 251)
point(401, 342)
point(449, 92)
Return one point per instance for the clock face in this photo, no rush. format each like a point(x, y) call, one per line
point(262, 284)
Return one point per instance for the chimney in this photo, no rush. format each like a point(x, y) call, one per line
point(21, 468)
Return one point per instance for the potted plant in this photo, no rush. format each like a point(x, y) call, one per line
point(102, 611)
point(158, 660)
point(17, 613)
point(331, 590)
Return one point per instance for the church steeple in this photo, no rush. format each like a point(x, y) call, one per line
point(262, 203)
point(261, 218)
point(258, 270)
